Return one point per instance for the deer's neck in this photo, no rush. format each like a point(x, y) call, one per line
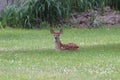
point(58, 44)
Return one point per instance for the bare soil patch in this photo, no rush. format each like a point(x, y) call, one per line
point(94, 18)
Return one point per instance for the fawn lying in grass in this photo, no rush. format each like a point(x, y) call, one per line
point(59, 45)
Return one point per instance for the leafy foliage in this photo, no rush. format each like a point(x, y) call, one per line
point(33, 13)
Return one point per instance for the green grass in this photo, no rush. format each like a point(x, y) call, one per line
point(30, 55)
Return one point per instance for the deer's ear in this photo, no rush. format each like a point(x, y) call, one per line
point(51, 31)
point(61, 31)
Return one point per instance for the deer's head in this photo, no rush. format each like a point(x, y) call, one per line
point(56, 34)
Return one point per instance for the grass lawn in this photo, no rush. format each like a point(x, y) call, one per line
point(30, 55)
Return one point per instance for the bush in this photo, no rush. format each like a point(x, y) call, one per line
point(13, 15)
point(33, 13)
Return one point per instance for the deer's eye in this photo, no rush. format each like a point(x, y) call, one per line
point(55, 36)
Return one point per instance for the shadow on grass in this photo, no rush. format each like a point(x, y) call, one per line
point(103, 46)
point(92, 48)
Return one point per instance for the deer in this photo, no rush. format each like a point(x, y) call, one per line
point(59, 46)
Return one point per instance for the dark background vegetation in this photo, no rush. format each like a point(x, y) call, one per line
point(36, 13)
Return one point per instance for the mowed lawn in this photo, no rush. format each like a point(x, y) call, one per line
point(31, 55)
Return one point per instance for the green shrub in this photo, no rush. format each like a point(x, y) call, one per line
point(33, 13)
point(13, 15)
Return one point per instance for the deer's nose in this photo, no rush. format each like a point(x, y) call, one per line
point(55, 37)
